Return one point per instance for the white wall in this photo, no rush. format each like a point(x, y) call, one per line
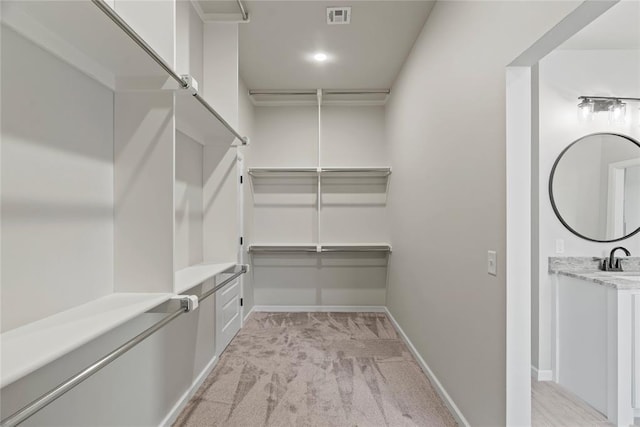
point(220, 177)
point(158, 32)
point(188, 202)
point(565, 75)
point(283, 210)
point(220, 69)
point(632, 198)
point(446, 132)
point(57, 184)
point(189, 42)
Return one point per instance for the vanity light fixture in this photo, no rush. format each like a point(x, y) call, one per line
point(617, 112)
point(590, 105)
point(586, 109)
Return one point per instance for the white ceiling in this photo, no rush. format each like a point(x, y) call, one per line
point(276, 44)
point(617, 28)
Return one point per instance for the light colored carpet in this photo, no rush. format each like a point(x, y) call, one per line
point(316, 369)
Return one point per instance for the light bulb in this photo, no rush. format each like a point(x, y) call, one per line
point(617, 112)
point(585, 110)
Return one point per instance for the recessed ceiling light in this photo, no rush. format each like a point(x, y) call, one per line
point(320, 57)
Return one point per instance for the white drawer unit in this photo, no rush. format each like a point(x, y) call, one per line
point(636, 354)
point(228, 317)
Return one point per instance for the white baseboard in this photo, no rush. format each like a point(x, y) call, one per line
point(453, 408)
point(320, 308)
point(541, 374)
point(248, 314)
point(184, 399)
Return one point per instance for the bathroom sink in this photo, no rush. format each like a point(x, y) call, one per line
point(632, 278)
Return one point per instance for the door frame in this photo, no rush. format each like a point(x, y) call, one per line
point(241, 236)
point(521, 225)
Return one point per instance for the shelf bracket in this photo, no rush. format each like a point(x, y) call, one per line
point(186, 302)
point(190, 84)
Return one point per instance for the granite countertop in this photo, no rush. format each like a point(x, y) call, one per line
point(587, 268)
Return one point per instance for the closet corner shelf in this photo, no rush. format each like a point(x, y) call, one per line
point(326, 171)
point(90, 36)
point(324, 248)
point(191, 276)
point(196, 121)
point(32, 346)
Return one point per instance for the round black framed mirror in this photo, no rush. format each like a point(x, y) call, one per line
point(595, 187)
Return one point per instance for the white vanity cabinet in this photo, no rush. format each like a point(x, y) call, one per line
point(636, 354)
point(597, 342)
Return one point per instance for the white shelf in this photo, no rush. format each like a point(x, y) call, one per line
point(82, 35)
point(189, 277)
point(284, 172)
point(32, 346)
point(326, 171)
point(356, 247)
point(360, 172)
point(195, 121)
point(284, 247)
point(324, 248)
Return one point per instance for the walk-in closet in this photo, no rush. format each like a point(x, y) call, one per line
point(284, 213)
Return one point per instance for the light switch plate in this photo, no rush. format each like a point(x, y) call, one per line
point(492, 263)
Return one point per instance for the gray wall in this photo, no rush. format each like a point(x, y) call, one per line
point(446, 132)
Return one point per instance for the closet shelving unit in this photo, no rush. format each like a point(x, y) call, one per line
point(91, 37)
point(263, 174)
point(34, 345)
point(325, 171)
point(189, 277)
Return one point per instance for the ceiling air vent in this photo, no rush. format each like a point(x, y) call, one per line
point(338, 15)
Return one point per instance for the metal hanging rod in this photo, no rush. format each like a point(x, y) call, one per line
point(319, 248)
point(384, 171)
point(609, 98)
point(107, 10)
point(380, 248)
point(47, 398)
point(307, 171)
point(238, 270)
point(206, 105)
point(283, 249)
point(356, 92)
point(243, 12)
point(324, 91)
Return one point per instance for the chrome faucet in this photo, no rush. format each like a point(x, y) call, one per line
point(612, 263)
